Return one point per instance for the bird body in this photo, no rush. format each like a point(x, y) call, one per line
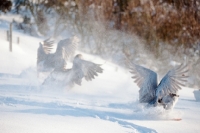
point(165, 93)
point(80, 69)
point(48, 60)
point(169, 101)
point(55, 63)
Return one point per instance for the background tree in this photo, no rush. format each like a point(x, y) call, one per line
point(5, 5)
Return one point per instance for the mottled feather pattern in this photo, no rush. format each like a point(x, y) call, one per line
point(80, 69)
point(90, 70)
point(173, 81)
point(152, 93)
point(57, 61)
point(146, 80)
point(65, 49)
point(85, 68)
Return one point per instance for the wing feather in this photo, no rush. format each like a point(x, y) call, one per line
point(173, 81)
point(90, 69)
point(86, 69)
point(44, 56)
point(48, 45)
point(146, 80)
point(67, 47)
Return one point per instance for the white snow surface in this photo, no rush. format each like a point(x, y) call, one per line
point(108, 104)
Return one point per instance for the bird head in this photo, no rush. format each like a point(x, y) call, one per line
point(77, 60)
point(41, 43)
point(78, 56)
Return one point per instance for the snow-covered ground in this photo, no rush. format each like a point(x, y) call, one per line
point(108, 104)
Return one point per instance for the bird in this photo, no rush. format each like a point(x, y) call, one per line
point(67, 78)
point(164, 93)
point(56, 63)
point(44, 62)
point(48, 60)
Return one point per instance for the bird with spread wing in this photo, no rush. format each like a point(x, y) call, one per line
point(60, 76)
point(47, 59)
point(164, 93)
point(80, 69)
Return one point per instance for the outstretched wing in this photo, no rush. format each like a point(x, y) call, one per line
point(82, 68)
point(90, 69)
point(146, 80)
point(44, 55)
point(48, 45)
point(45, 48)
point(172, 81)
point(66, 48)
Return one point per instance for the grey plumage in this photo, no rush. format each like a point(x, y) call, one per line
point(47, 60)
point(55, 63)
point(80, 69)
point(59, 76)
point(166, 92)
point(44, 59)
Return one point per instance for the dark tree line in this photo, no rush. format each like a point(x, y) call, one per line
point(5, 5)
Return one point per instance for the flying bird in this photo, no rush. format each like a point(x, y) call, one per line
point(48, 60)
point(164, 93)
point(80, 69)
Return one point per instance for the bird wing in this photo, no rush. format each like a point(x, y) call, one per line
point(44, 55)
point(86, 69)
point(48, 45)
point(146, 80)
point(45, 48)
point(172, 81)
point(66, 48)
point(90, 69)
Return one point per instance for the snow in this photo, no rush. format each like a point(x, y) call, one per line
point(107, 104)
